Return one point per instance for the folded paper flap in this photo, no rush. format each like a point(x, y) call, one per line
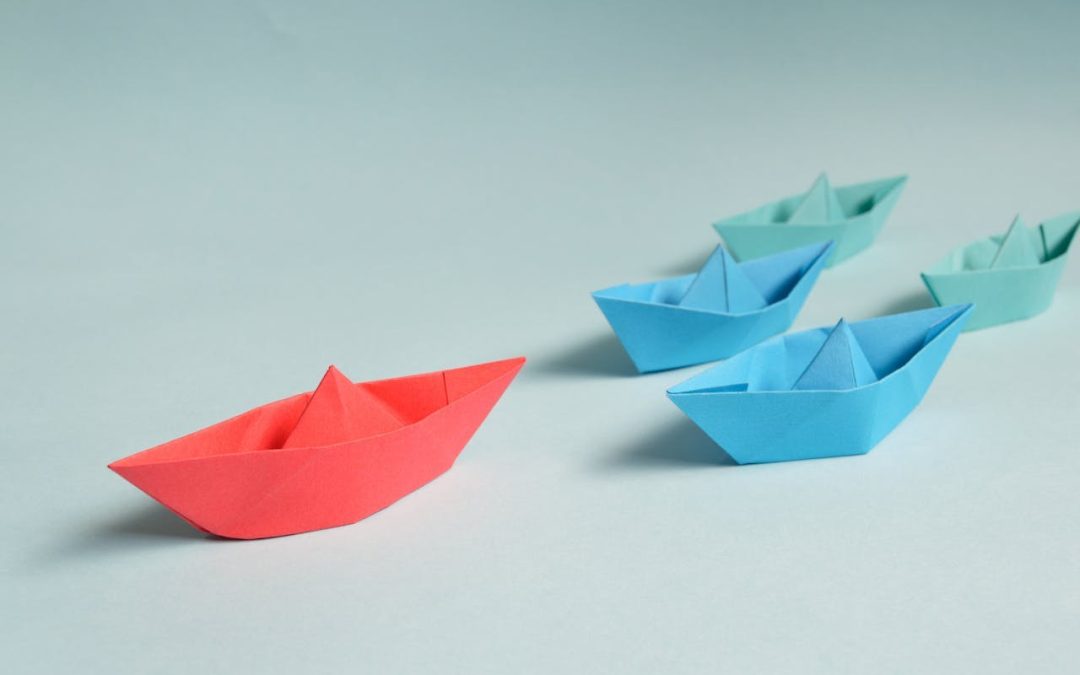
point(854, 200)
point(1056, 234)
point(268, 427)
point(819, 205)
point(975, 257)
point(861, 198)
point(661, 335)
point(891, 341)
point(261, 428)
point(1016, 248)
point(936, 329)
point(742, 372)
point(779, 425)
point(280, 492)
point(722, 286)
point(885, 344)
point(772, 278)
point(461, 382)
point(340, 411)
point(840, 363)
point(662, 292)
point(776, 276)
point(415, 397)
point(412, 398)
point(666, 291)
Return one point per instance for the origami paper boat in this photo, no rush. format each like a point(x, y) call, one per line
point(723, 309)
point(821, 392)
point(1008, 277)
point(851, 216)
point(321, 459)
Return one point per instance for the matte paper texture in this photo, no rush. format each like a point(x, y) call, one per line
point(824, 392)
point(1009, 277)
point(851, 215)
point(720, 311)
point(321, 459)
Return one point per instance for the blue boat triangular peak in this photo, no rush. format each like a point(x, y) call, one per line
point(721, 286)
point(772, 422)
point(1016, 249)
point(819, 205)
point(887, 343)
point(840, 363)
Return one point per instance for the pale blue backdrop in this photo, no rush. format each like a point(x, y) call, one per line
point(204, 204)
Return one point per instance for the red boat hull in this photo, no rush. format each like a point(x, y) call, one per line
point(233, 480)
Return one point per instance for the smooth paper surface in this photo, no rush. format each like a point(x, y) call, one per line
point(339, 411)
point(850, 215)
point(722, 286)
point(819, 205)
point(1008, 277)
point(321, 459)
point(839, 364)
point(824, 392)
point(720, 311)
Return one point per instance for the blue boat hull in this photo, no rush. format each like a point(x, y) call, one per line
point(776, 424)
point(660, 336)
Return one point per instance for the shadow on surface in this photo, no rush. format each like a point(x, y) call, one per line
point(140, 529)
point(908, 302)
point(600, 355)
point(151, 521)
point(679, 443)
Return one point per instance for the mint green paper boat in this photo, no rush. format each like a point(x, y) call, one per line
point(1009, 277)
point(851, 216)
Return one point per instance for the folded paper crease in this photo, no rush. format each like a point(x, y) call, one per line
point(1009, 277)
point(320, 459)
point(724, 308)
point(824, 392)
point(850, 215)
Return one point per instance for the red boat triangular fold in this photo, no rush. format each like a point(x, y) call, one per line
point(339, 411)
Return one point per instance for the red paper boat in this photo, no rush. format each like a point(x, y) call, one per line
point(320, 459)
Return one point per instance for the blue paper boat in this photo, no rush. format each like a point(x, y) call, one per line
point(1008, 277)
point(720, 311)
point(851, 215)
point(822, 392)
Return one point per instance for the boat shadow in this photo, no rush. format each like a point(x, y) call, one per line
point(149, 522)
point(678, 443)
point(909, 302)
point(598, 355)
point(135, 531)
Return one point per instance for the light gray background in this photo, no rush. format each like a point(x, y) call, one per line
point(204, 205)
